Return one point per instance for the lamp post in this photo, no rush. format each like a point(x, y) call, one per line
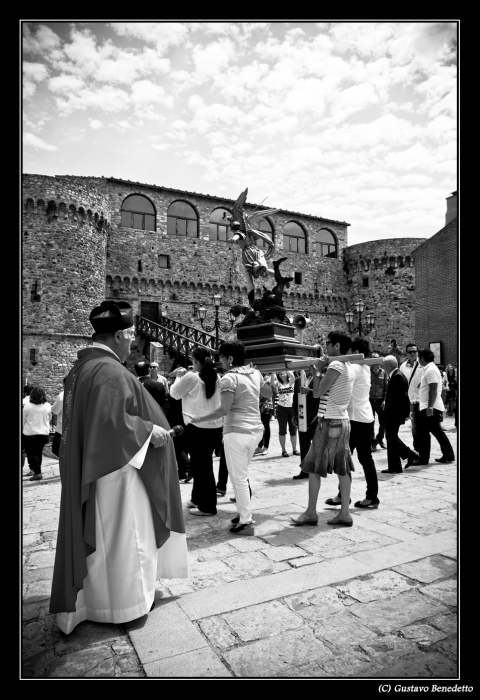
point(202, 313)
point(360, 306)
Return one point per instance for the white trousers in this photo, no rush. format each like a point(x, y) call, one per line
point(239, 449)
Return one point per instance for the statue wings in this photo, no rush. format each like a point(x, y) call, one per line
point(237, 211)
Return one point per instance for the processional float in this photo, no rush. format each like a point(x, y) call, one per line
point(273, 342)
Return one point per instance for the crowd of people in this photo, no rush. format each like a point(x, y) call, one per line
point(121, 517)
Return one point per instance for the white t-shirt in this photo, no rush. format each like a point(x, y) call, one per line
point(431, 375)
point(285, 395)
point(36, 418)
point(359, 408)
point(57, 409)
point(340, 393)
point(191, 389)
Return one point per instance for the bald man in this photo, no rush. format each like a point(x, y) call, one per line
point(397, 409)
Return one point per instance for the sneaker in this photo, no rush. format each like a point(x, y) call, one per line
point(36, 477)
point(258, 451)
point(246, 529)
point(190, 504)
point(29, 473)
point(233, 500)
point(220, 492)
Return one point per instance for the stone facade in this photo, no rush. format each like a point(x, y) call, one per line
point(76, 253)
point(436, 309)
point(381, 273)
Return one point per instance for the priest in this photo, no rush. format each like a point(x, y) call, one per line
point(121, 523)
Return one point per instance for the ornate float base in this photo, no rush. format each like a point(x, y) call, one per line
point(270, 346)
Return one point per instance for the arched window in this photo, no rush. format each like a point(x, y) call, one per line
point(326, 244)
point(266, 227)
point(294, 238)
point(219, 225)
point(138, 212)
point(182, 220)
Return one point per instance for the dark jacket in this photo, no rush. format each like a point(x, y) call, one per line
point(397, 405)
point(157, 390)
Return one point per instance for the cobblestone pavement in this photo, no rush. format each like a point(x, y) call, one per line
point(375, 600)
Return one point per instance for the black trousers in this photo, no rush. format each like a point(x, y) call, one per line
point(360, 436)
point(56, 444)
point(396, 448)
point(202, 443)
point(34, 445)
point(183, 460)
point(222, 471)
point(433, 425)
point(305, 439)
point(376, 405)
point(266, 418)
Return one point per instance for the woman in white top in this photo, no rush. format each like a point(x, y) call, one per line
point(283, 388)
point(240, 388)
point(200, 394)
point(36, 428)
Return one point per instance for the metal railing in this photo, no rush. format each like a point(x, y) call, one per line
point(177, 338)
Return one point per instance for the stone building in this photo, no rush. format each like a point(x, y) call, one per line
point(166, 252)
point(436, 307)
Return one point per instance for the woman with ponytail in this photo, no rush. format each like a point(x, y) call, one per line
point(200, 394)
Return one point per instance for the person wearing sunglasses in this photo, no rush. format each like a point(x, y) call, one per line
point(413, 371)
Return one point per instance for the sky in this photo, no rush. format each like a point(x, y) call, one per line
point(351, 121)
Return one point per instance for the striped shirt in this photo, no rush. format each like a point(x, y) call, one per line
point(191, 389)
point(341, 391)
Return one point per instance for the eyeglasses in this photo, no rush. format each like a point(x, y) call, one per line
point(411, 352)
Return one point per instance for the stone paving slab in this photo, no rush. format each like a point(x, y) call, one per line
point(164, 632)
point(201, 663)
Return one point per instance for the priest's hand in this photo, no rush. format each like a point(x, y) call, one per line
point(160, 436)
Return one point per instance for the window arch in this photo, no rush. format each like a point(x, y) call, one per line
point(182, 220)
point(138, 212)
point(326, 244)
point(266, 227)
point(294, 238)
point(219, 224)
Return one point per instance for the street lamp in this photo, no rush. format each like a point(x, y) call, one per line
point(202, 313)
point(360, 306)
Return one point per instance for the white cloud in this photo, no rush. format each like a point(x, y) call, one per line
point(36, 142)
point(39, 39)
point(163, 35)
point(65, 83)
point(32, 73)
point(95, 123)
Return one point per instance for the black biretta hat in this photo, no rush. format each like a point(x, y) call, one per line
point(111, 316)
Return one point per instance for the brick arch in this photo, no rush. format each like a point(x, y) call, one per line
point(81, 214)
point(375, 263)
point(72, 212)
point(62, 210)
point(29, 206)
point(400, 261)
point(89, 216)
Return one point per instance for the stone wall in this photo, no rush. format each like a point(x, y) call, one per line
point(56, 355)
point(387, 265)
point(64, 227)
point(436, 309)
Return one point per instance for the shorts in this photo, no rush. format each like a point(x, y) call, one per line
point(284, 416)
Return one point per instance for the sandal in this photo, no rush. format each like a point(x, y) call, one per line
point(296, 453)
point(285, 453)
